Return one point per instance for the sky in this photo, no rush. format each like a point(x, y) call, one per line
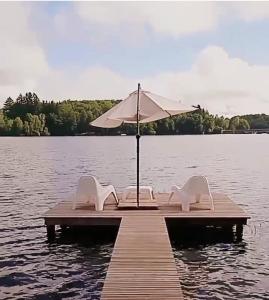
point(215, 54)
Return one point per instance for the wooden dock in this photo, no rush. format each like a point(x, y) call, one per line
point(142, 264)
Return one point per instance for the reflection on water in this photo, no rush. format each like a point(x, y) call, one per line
point(73, 267)
point(38, 172)
point(214, 265)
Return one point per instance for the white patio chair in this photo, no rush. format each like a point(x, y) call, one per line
point(191, 192)
point(89, 190)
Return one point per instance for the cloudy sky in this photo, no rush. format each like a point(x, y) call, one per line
point(212, 53)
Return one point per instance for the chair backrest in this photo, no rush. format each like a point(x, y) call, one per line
point(197, 185)
point(87, 190)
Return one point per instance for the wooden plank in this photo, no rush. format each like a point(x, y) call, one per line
point(142, 264)
point(144, 202)
point(225, 209)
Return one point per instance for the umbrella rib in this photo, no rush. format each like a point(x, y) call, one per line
point(168, 113)
point(153, 101)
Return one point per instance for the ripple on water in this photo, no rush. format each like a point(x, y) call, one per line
point(220, 270)
point(36, 173)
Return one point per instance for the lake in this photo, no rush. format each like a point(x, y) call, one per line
point(38, 172)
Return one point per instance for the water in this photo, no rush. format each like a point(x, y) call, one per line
point(38, 172)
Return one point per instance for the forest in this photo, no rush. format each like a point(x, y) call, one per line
point(27, 115)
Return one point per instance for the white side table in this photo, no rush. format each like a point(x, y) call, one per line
point(144, 189)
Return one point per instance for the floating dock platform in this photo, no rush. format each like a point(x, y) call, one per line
point(142, 265)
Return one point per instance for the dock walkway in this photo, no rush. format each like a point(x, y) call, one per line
point(142, 264)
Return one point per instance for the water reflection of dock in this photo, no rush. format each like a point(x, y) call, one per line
point(142, 264)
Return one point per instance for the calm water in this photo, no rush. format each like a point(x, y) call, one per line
point(38, 172)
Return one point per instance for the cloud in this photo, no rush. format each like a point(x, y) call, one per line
point(218, 82)
point(169, 18)
point(90, 83)
point(222, 84)
point(22, 61)
point(251, 11)
point(174, 19)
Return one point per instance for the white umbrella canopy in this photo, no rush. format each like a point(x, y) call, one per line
point(140, 107)
point(151, 108)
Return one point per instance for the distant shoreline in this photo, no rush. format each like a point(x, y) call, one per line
point(131, 135)
point(27, 115)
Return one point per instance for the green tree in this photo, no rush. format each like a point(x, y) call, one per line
point(8, 105)
point(165, 126)
point(26, 128)
point(189, 123)
point(234, 123)
point(83, 122)
point(17, 126)
point(243, 124)
point(36, 125)
point(2, 124)
point(68, 118)
point(221, 122)
point(46, 131)
point(9, 124)
point(208, 123)
point(20, 99)
point(73, 117)
point(257, 121)
point(42, 119)
point(150, 128)
point(217, 130)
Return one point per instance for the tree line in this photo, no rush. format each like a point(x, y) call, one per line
point(29, 116)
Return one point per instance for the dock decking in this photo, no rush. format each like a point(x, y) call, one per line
point(142, 264)
point(226, 212)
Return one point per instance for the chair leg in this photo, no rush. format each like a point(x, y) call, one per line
point(150, 195)
point(170, 197)
point(212, 203)
point(115, 197)
point(99, 205)
point(185, 206)
point(74, 204)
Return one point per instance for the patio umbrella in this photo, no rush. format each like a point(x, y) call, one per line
point(140, 107)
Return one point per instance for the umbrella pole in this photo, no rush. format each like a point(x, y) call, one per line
point(137, 146)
